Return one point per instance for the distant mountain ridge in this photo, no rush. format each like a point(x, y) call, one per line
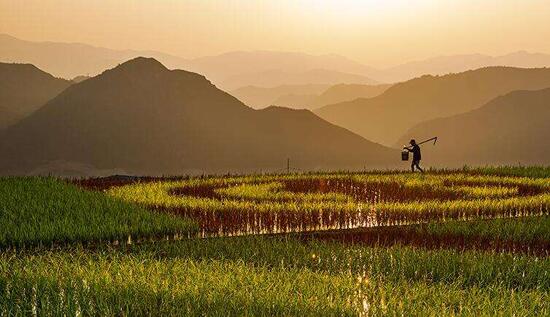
point(334, 94)
point(229, 71)
point(237, 63)
point(23, 89)
point(442, 65)
point(509, 130)
point(234, 70)
point(237, 69)
point(262, 97)
point(70, 60)
point(388, 116)
point(274, 78)
point(305, 96)
point(142, 118)
point(344, 92)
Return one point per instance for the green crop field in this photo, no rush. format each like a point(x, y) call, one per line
point(473, 242)
point(35, 211)
point(273, 203)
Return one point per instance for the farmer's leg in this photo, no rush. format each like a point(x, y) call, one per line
point(418, 166)
point(412, 165)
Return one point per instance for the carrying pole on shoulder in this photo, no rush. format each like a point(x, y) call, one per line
point(428, 140)
point(405, 151)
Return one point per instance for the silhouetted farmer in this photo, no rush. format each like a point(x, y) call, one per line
point(415, 149)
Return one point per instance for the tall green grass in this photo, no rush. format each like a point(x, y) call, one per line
point(261, 277)
point(36, 211)
point(465, 268)
point(524, 229)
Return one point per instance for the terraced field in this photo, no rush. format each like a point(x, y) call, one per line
point(270, 204)
point(469, 242)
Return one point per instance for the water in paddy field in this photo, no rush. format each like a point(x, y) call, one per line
point(259, 205)
point(370, 208)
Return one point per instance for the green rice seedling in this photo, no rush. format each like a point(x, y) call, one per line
point(37, 211)
point(397, 263)
point(283, 203)
point(525, 229)
point(261, 276)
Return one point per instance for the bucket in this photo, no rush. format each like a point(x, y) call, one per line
point(405, 155)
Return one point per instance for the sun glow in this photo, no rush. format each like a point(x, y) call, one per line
point(358, 8)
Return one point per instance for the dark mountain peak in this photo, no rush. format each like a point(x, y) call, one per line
point(24, 88)
point(279, 108)
point(145, 119)
point(141, 71)
point(23, 72)
point(141, 65)
point(146, 68)
point(22, 69)
point(285, 111)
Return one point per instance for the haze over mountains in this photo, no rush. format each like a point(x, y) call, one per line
point(233, 70)
point(509, 130)
point(228, 71)
point(273, 78)
point(269, 69)
point(261, 97)
point(70, 60)
point(305, 96)
point(388, 116)
point(23, 89)
point(442, 65)
point(142, 118)
point(344, 92)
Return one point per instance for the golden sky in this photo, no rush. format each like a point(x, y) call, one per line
point(378, 33)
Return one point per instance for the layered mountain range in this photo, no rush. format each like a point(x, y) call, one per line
point(306, 96)
point(509, 130)
point(386, 117)
point(238, 69)
point(142, 118)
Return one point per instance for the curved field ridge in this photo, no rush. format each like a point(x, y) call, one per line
point(525, 235)
point(291, 203)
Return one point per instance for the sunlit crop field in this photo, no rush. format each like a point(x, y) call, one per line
point(469, 243)
point(290, 203)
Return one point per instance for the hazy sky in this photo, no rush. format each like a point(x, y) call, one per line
point(379, 33)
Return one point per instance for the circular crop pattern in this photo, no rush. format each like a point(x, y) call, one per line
point(286, 203)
